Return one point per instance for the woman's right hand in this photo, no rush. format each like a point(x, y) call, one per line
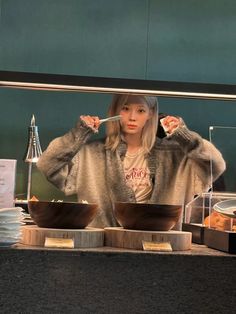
point(91, 121)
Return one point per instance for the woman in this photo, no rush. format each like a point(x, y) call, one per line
point(131, 164)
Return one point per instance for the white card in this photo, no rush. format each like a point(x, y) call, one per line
point(7, 182)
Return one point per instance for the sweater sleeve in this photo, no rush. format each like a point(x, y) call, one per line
point(204, 154)
point(59, 161)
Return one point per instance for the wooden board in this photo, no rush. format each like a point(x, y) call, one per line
point(133, 239)
point(82, 238)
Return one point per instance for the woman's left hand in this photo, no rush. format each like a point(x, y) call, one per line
point(170, 124)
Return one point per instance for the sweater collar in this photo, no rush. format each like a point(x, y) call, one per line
point(121, 149)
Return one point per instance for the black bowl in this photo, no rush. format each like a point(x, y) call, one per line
point(141, 216)
point(62, 215)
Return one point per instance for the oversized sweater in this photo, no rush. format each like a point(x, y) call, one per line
point(180, 167)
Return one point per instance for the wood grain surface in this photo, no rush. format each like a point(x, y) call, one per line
point(133, 239)
point(88, 237)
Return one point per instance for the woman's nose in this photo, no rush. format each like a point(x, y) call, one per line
point(132, 115)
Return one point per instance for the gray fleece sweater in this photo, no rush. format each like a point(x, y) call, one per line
point(179, 167)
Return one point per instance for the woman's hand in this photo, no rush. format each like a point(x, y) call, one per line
point(170, 124)
point(91, 121)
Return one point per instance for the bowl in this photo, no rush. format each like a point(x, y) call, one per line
point(62, 215)
point(226, 207)
point(140, 216)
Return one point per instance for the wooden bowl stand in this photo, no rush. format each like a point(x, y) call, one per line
point(155, 240)
point(82, 238)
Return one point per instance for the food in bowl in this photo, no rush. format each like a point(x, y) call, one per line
point(220, 222)
point(62, 215)
point(139, 216)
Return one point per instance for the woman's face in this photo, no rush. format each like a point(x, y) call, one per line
point(134, 117)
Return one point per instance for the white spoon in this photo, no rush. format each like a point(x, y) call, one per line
point(114, 118)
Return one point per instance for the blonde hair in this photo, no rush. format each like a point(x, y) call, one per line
point(113, 130)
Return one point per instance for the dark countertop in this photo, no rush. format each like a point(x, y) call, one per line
point(110, 280)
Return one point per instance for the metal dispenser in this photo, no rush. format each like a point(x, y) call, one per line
point(33, 152)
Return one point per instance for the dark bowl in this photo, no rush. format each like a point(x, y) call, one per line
point(141, 216)
point(62, 215)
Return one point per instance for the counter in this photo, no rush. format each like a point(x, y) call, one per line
point(109, 280)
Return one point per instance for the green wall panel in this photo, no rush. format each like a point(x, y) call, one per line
point(95, 38)
point(192, 41)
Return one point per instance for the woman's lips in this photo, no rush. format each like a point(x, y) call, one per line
point(132, 126)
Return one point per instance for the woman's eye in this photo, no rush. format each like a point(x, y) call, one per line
point(142, 110)
point(125, 108)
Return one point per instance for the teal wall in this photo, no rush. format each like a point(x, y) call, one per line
point(185, 40)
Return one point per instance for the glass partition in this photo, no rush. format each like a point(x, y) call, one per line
point(201, 211)
point(216, 209)
point(224, 138)
point(222, 198)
